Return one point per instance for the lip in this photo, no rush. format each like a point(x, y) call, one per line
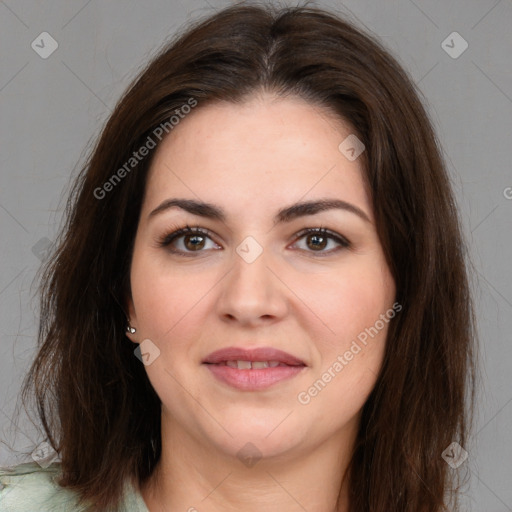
point(255, 354)
point(253, 379)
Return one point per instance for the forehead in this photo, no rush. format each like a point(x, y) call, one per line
point(262, 153)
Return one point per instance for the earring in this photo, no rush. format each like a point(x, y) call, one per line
point(130, 329)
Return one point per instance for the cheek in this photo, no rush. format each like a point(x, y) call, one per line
point(348, 301)
point(349, 356)
point(162, 297)
point(348, 362)
point(359, 313)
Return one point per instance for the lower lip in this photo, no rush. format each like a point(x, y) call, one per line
point(253, 380)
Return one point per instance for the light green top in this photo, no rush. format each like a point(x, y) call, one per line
point(31, 488)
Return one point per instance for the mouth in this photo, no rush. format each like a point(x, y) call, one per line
point(250, 365)
point(253, 358)
point(253, 370)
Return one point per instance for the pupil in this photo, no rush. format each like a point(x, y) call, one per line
point(317, 237)
point(194, 245)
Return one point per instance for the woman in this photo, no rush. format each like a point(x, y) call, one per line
point(267, 220)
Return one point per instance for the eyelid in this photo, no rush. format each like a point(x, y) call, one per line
point(176, 232)
point(340, 239)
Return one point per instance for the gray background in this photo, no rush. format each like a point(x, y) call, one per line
point(52, 108)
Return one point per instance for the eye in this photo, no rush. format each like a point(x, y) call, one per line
point(193, 240)
point(189, 239)
point(318, 239)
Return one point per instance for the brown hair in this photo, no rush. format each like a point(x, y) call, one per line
point(93, 397)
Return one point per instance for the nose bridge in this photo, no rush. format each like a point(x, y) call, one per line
point(250, 269)
point(250, 289)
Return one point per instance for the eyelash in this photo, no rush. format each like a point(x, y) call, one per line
point(166, 240)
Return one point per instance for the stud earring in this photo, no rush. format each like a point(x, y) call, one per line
point(130, 329)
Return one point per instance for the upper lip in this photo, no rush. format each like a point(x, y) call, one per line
point(255, 354)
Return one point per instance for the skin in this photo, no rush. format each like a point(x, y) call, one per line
point(251, 160)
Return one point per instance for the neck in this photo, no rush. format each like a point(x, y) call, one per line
point(197, 477)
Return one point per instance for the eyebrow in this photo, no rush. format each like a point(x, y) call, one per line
point(287, 214)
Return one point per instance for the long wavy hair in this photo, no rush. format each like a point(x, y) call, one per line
point(92, 395)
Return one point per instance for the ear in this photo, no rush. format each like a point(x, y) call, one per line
point(132, 320)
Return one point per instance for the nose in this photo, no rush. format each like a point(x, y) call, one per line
point(252, 293)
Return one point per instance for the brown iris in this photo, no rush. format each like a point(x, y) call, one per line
point(317, 245)
point(194, 245)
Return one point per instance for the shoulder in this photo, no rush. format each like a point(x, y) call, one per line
point(29, 487)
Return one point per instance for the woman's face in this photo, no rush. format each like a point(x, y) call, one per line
point(255, 279)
